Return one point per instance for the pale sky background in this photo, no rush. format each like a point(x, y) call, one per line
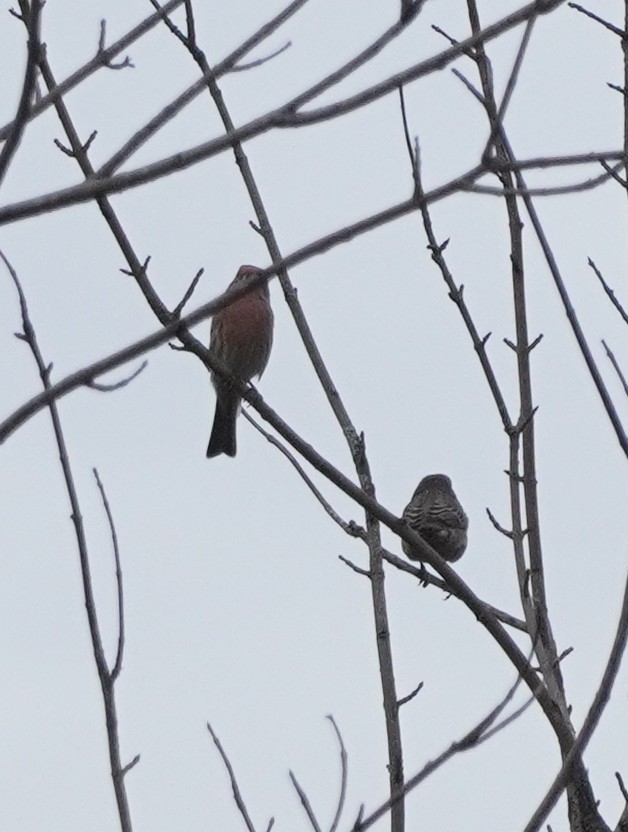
point(238, 609)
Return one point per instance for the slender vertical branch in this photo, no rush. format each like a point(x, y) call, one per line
point(582, 806)
point(355, 443)
point(106, 678)
point(30, 14)
point(117, 666)
point(547, 652)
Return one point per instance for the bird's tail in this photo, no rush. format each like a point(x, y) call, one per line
point(223, 436)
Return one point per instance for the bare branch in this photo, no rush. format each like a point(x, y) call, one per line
point(455, 293)
point(610, 293)
point(604, 23)
point(237, 796)
point(115, 672)
point(358, 569)
point(589, 725)
point(343, 775)
point(90, 67)
point(285, 116)
point(470, 740)
point(410, 696)
point(261, 61)
point(31, 16)
point(126, 62)
point(176, 312)
point(305, 803)
point(350, 527)
point(107, 679)
point(616, 366)
point(499, 528)
point(108, 388)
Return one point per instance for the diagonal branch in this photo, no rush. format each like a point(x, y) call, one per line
point(30, 15)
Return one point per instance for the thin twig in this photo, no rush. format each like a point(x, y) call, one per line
point(101, 59)
point(609, 292)
point(108, 388)
point(616, 367)
point(261, 61)
point(305, 803)
point(357, 569)
point(343, 775)
point(604, 23)
point(30, 15)
point(349, 527)
point(237, 796)
point(106, 678)
point(470, 740)
point(410, 696)
point(176, 312)
point(455, 293)
point(225, 66)
point(589, 725)
point(115, 671)
point(284, 116)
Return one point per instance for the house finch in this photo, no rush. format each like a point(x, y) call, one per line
point(241, 338)
point(435, 513)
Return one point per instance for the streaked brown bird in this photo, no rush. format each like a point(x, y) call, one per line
point(241, 338)
point(435, 513)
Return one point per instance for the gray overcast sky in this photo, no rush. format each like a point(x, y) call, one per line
point(238, 609)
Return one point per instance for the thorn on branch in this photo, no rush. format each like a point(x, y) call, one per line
point(127, 62)
point(256, 228)
point(499, 528)
point(358, 821)
point(83, 149)
point(564, 655)
point(535, 343)
point(616, 88)
point(524, 422)
point(456, 294)
point(404, 700)
point(437, 250)
point(142, 271)
point(511, 474)
point(509, 343)
point(485, 339)
point(355, 568)
point(127, 768)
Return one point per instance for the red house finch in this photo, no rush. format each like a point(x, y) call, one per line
point(241, 337)
point(435, 513)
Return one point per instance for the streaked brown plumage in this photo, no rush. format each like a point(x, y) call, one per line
point(435, 513)
point(241, 337)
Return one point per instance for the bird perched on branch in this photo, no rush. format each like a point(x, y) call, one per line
point(241, 338)
point(436, 515)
